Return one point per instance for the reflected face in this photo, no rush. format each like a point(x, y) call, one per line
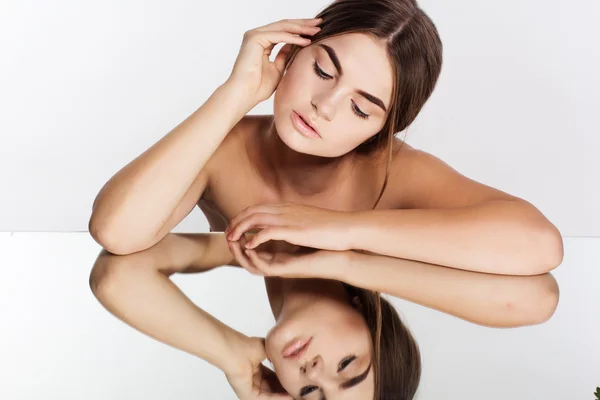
point(342, 87)
point(336, 364)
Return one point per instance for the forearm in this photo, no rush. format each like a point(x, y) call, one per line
point(484, 299)
point(136, 289)
point(500, 237)
point(134, 204)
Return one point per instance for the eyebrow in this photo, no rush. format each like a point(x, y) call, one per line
point(338, 66)
point(352, 381)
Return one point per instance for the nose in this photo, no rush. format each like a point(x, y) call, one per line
point(326, 103)
point(312, 367)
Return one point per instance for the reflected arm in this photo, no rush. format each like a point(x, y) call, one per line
point(484, 299)
point(136, 288)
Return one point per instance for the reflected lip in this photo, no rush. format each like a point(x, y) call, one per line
point(293, 346)
point(306, 121)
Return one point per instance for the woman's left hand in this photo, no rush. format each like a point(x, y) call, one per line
point(301, 225)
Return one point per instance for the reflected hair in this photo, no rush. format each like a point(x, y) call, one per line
point(414, 50)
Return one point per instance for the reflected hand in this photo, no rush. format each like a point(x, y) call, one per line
point(251, 380)
point(301, 263)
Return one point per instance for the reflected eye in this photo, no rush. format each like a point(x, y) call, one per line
point(307, 389)
point(322, 75)
point(345, 362)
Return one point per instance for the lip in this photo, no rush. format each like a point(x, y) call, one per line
point(303, 127)
point(295, 344)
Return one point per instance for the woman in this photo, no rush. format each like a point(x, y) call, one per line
point(325, 170)
point(324, 293)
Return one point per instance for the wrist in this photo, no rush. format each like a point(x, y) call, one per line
point(354, 266)
point(342, 268)
point(238, 96)
point(354, 230)
point(236, 361)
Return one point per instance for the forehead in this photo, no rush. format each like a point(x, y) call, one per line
point(365, 62)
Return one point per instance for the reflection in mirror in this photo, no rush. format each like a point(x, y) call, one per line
point(325, 309)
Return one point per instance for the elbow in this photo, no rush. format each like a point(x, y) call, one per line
point(538, 306)
point(102, 273)
point(541, 251)
point(551, 252)
point(110, 240)
point(111, 275)
point(545, 308)
point(550, 295)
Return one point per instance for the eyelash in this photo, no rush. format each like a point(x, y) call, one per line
point(319, 72)
point(350, 358)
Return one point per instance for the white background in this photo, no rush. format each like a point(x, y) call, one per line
point(88, 86)
point(85, 87)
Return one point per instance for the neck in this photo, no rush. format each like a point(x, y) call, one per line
point(300, 174)
point(297, 293)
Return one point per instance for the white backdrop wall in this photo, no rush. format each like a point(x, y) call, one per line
point(85, 87)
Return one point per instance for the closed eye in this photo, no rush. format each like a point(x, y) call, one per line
point(345, 362)
point(321, 74)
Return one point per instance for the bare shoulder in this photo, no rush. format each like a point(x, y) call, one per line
point(232, 151)
point(419, 179)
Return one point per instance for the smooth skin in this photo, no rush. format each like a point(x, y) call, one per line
point(258, 174)
point(136, 288)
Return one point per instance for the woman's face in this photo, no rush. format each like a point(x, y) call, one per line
point(329, 99)
point(339, 352)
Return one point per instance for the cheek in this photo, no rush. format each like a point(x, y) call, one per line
point(289, 382)
point(271, 342)
point(351, 138)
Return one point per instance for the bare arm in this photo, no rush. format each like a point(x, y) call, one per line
point(143, 201)
point(484, 299)
point(136, 289)
point(442, 217)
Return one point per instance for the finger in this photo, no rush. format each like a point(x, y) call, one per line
point(282, 265)
point(264, 255)
point(273, 233)
point(254, 220)
point(282, 56)
point(262, 208)
point(291, 27)
point(260, 264)
point(267, 40)
point(242, 242)
point(284, 22)
point(242, 259)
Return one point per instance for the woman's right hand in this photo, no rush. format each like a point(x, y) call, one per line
point(285, 260)
point(253, 72)
point(250, 379)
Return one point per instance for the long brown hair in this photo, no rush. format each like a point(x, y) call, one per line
point(414, 49)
